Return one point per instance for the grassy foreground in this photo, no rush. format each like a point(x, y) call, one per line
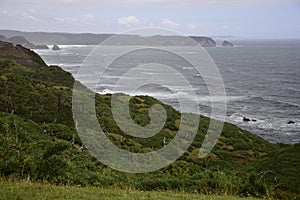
point(29, 190)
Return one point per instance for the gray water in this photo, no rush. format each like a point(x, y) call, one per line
point(261, 78)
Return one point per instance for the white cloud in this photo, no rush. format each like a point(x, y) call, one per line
point(88, 19)
point(170, 23)
point(128, 20)
point(66, 20)
point(29, 16)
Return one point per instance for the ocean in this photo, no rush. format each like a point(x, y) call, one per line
point(261, 79)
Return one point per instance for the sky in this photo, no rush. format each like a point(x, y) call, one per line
point(245, 19)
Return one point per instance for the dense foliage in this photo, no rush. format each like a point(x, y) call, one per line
point(38, 141)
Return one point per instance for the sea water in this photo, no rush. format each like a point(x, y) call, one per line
point(261, 79)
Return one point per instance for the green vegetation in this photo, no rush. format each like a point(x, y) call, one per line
point(37, 130)
point(37, 191)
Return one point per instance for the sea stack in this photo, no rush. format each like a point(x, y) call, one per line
point(41, 46)
point(227, 44)
point(55, 47)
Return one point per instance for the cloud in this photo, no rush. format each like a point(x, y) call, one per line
point(170, 23)
point(29, 16)
point(128, 20)
point(88, 19)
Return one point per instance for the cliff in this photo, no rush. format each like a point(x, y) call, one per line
point(204, 41)
point(227, 44)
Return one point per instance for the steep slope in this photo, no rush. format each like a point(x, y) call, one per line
point(22, 41)
point(38, 140)
point(20, 55)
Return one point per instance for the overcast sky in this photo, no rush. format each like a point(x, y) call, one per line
point(240, 18)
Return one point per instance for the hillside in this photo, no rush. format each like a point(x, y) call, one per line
point(37, 130)
point(22, 41)
point(18, 55)
point(95, 39)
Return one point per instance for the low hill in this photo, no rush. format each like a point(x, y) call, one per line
point(19, 55)
point(95, 39)
point(19, 40)
point(38, 141)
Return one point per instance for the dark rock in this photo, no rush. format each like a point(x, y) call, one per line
point(55, 47)
point(41, 46)
point(254, 120)
point(227, 44)
point(204, 41)
point(245, 119)
point(291, 122)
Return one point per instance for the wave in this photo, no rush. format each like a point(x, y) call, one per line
point(148, 73)
point(166, 93)
point(293, 89)
point(71, 64)
point(188, 68)
point(191, 52)
point(72, 46)
point(274, 101)
point(135, 93)
point(279, 125)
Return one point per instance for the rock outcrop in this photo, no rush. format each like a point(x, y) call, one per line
point(227, 44)
point(245, 119)
point(41, 46)
point(204, 41)
point(55, 48)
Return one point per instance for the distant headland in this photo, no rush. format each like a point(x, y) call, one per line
point(94, 39)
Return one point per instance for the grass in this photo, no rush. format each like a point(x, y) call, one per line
point(28, 190)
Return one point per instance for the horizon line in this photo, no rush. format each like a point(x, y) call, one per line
point(237, 38)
